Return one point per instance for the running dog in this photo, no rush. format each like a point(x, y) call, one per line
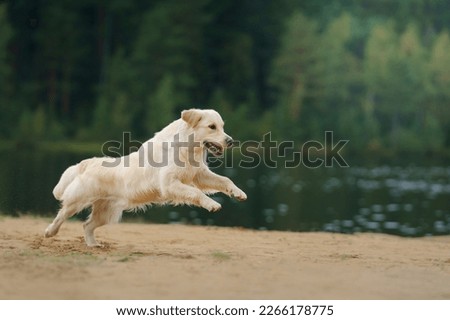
point(170, 168)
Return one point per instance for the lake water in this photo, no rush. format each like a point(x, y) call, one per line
point(407, 201)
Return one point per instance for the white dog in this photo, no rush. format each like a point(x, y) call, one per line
point(169, 168)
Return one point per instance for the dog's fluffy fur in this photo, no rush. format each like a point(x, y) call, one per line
point(159, 172)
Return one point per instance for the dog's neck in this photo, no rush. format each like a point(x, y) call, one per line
point(192, 152)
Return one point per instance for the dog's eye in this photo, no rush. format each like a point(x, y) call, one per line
point(212, 126)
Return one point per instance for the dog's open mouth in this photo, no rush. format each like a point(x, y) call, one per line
point(214, 148)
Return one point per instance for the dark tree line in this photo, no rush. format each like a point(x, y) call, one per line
point(374, 71)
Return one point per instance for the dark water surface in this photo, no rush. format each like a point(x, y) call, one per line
point(408, 201)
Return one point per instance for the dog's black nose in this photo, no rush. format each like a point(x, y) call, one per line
point(229, 142)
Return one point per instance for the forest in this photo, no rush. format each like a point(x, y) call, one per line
point(375, 72)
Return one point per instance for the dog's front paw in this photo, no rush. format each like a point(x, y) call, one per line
point(239, 194)
point(212, 206)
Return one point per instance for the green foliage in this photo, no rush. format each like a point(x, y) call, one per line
point(114, 111)
point(374, 72)
point(169, 43)
point(396, 75)
point(295, 72)
point(37, 126)
point(235, 116)
point(6, 109)
point(337, 62)
point(6, 33)
point(438, 83)
point(162, 105)
point(439, 65)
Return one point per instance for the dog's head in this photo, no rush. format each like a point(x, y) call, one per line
point(208, 130)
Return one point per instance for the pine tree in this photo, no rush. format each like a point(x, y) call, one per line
point(295, 73)
point(380, 76)
point(341, 82)
point(170, 41)
point(115, 110)
point(161, 105)
point(438, 89)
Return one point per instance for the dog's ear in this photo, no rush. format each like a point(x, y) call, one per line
point(191, 116)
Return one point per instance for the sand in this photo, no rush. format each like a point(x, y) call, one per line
point(147, 261)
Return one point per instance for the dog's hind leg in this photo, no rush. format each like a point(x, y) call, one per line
point(64, 213)
point(71, 204)
point(103, 212)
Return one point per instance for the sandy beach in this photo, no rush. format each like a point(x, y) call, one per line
point(147, 261)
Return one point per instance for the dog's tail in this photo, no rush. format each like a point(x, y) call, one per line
point(67, 177)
